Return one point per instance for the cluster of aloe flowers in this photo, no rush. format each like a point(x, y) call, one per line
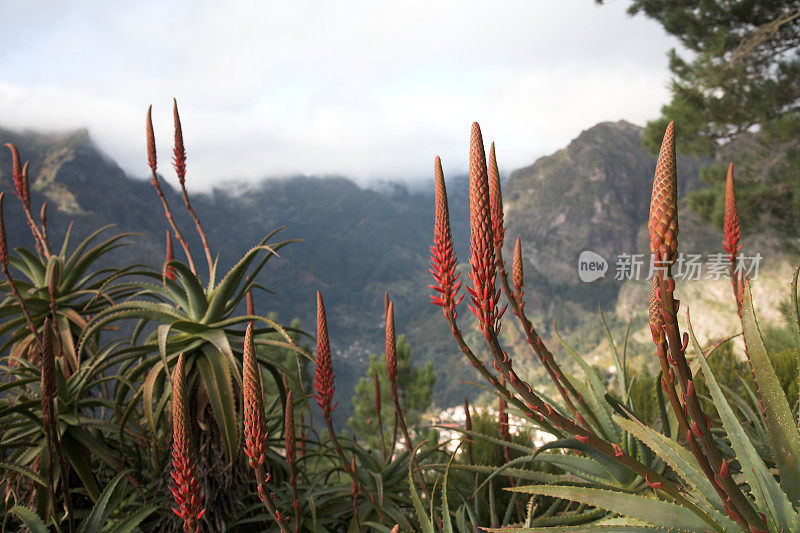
point(192, 359)
point(688, 476)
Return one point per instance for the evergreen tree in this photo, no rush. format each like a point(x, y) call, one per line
point(414, 388)
point(736, 96)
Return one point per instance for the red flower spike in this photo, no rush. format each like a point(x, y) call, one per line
point(391, 348)
point(495, 200)
point(255, 427)
point(289, 437)
point(483, 293)
point(16, 166)
point(20, 176)
point(186, 488)
point(443, 258)
point(151, 141)
point(169, 273)
point(517, 270)
point(654, 313)
point(323, 374)
point(731, 225)
point(663, 223)
point(25, 185)
point(179, 152)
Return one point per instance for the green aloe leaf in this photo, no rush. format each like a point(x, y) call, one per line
point(34, 269)
point(447, 524)
point(100, 512)
point(216, 375)
point(796, 321)
point(425, 524)
point(194, 290)
point(78, 459)
point(655, 512)
point(595, 393)
point(75, 269)
point(767, 492)
point(25, 472)
point(219, 296)
point(622, 377)
point(677, 457)
point(780, 422)
point(132, 521)
point(78, 251)
point(30, 519)
point(148, 395)
point(583, 467)
point(584, 529)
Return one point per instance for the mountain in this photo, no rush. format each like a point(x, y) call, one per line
point(357, 243)
point(593, 195)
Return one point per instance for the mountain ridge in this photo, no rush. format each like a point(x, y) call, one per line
point(359, 242)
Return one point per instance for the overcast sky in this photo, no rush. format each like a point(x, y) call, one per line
point(371, 90)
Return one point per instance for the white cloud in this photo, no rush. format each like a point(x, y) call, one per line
point(365, 89)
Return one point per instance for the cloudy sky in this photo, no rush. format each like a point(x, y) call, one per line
point(370, 90)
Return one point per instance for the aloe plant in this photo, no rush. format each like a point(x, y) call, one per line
point(684, 477)
point(115, 511)
point(66, 284)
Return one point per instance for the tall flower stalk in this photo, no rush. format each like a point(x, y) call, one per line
point(731, 238)
point(514, 297)
point(484, 297)
point(4, 263)
point(22, 190)
point(152, 162)
point(186, 487)
point(179, 163)
point(663, 230)
point(324, 388)
point(255, 427)
point(376, 382)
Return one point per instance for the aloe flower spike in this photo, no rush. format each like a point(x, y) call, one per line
point(179, 163)
point(186, 487)
point(443, 257)
point(323, 374)
point(731, 238)
point(483, 293)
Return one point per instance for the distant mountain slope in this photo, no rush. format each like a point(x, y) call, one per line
point(357, 242)
point(593, 194)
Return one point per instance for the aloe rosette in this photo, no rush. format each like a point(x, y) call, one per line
point(179, 312)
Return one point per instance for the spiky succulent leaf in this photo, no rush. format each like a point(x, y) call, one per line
point(677, 457)
point(216, 375)
point(767, 492)
point(783, 433)
point(655, 512)
point(425, 524)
